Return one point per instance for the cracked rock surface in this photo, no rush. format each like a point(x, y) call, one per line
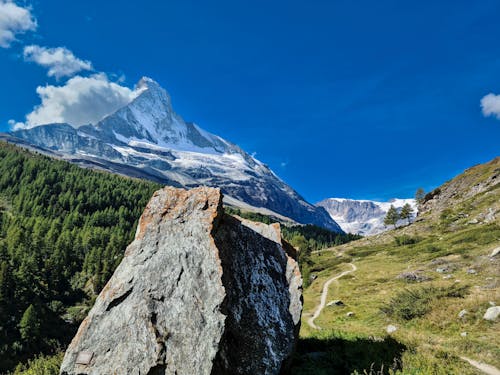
point(198, 292)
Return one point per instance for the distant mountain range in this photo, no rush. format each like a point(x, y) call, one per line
point(147, 139)
point(363, 217)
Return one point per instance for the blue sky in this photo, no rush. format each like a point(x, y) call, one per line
point(358, 99)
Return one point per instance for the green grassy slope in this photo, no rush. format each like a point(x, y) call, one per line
point(448, 249)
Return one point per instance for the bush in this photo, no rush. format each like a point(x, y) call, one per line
point(43, 365)
point(414, 303)
point(406, 240)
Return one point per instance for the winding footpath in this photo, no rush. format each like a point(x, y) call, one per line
point(481, 366)
point(324, 295)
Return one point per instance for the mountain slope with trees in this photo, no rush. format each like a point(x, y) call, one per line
point(63, 230)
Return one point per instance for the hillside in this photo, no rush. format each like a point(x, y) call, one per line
point(432, 280)
point(63, 230)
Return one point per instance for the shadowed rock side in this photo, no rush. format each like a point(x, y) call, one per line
point(198, 292)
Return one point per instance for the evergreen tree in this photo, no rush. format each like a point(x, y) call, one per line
point(406, 212)
point(392, 217)
point(30, 325)
point(420, 196)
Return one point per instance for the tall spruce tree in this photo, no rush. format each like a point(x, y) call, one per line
point(392, 217)
point(406, 212)
point(420, 196)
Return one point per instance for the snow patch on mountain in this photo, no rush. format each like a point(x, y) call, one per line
point(146, 138)
point(363, 217)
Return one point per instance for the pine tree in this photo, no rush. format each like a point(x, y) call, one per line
point(392, 217)
point(406, 212)
point(30, 325)
point(420, 196)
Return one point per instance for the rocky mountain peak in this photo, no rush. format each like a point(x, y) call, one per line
point(363, 217)
point(147, 139)
point(198, 292)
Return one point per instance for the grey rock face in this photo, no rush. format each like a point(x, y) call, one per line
point(198, 292)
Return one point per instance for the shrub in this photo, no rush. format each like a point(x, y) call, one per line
point(406, 240)
point(414, 303)
point(43, 365)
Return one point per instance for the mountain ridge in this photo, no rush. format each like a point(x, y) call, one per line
point(147, 139)
point(365, 217)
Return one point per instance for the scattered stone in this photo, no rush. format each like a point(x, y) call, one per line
point(449, 276)
point(438, 261)
point(391, 329)
point(462, 313)
point(490, 215)
point(463, 334)
point(473, 221)
point(495, 252)
point(442, 269)
point(197, 292)
point(492, 313)
point(335, 302)
point(349, 314)
point(413, 276)
point(471, 271)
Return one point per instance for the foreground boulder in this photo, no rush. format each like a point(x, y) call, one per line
point(198, 292)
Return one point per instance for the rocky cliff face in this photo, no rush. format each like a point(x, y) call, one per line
point(198, 292)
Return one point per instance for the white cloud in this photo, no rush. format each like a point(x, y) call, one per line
point(60, 61)
point(14, 20)
point(80, 101)
point(490, 105)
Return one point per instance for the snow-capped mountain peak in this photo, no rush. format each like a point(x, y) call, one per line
point(146, 138)
point(363, 217)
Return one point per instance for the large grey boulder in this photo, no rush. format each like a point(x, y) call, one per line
point(198, 292)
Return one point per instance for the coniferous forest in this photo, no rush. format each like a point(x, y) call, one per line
point(63, 230)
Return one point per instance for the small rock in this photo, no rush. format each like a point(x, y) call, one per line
point(492, 313)
point(349, 314)
point(336, 302)
point(473, 221)
point(471, 271)
point(446, 277)
point(413, 277)
point(490, 215)
point(441, 269)
point(463, 334)
point(462, 313)
point(495, 252)
point(492, 303)
point(391, 329)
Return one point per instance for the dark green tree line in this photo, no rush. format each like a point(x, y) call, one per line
point(63, 230)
